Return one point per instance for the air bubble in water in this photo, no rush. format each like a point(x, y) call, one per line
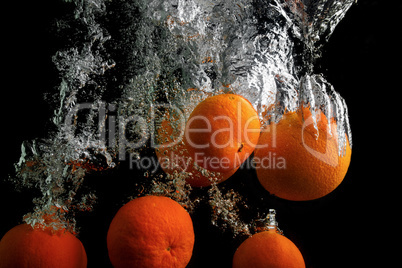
point(139, 54)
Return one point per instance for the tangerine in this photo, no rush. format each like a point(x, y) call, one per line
point(24, 246)
point(151, 231)
point(222, 132)
point(268, 249)
point(173, 156)
point(311, 166)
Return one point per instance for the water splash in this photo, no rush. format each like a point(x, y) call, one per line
point(128, 57)
point(268, 223)
point(176, 188)
point(44, 165)
point(225, 211)
point(57, 164)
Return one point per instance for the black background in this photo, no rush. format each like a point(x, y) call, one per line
point(347, 228)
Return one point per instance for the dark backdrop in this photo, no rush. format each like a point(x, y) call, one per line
point(344, 229)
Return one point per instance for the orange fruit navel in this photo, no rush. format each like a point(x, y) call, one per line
point(151, 231)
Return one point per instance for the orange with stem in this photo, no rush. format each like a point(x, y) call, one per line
point(268, 249)
point(222, 132)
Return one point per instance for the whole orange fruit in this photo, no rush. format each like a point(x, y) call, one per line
point(151, 231)
point(222, 132)
point(173, 156)
point(27, 247)
point(294, 161)
point(268, 250)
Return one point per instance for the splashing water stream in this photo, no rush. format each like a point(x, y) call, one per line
point(129, 61)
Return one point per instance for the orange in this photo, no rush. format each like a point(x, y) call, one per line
point(268, 250)
point(151, 231)
point(222, 132)
point(174, 157)
point(24, 246)
point(294, 164)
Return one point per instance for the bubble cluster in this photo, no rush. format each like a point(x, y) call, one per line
point(225, 211)
point(126, 62)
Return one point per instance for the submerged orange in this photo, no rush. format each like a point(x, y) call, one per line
point(307, 163)
point(268, 249)
point(27, 247)
point(222, 132)
point(175, 159)
point(151, 231)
